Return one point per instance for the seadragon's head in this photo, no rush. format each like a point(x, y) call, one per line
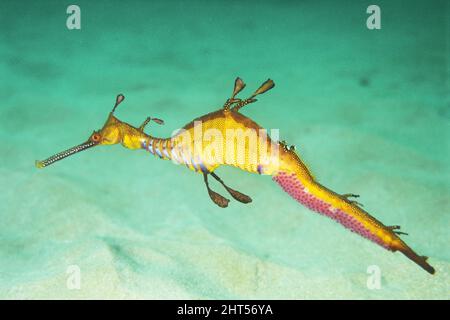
point(114, 131)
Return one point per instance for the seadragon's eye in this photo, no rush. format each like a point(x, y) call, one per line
point(95, 137)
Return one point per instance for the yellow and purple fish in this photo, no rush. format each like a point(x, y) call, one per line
point(203, 146)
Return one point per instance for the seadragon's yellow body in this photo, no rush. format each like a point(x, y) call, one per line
point(227, 137)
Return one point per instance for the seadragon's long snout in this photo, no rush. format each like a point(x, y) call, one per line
point(64, 154)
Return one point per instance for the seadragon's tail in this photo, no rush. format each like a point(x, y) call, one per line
point(303, 188)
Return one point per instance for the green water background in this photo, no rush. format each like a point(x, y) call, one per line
point(369, 112)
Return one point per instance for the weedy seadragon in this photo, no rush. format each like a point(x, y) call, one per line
point(285, 166)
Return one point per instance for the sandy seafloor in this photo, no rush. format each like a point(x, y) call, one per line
point(369, 112)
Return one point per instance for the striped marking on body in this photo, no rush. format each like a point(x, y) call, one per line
point(164, 149)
